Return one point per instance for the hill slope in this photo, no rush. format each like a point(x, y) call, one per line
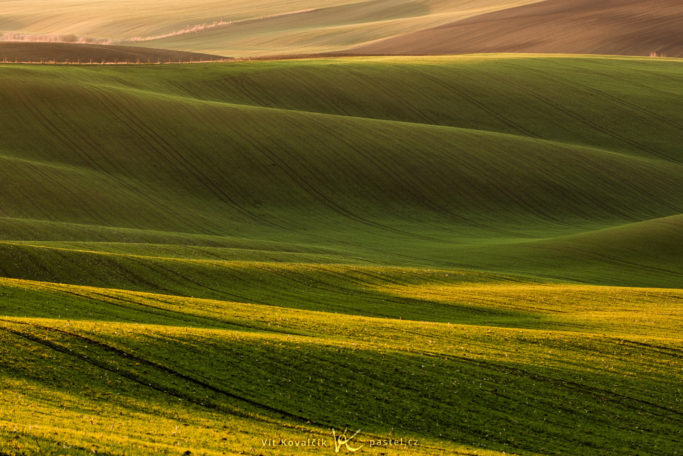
point(266, 28)
point(240, 150)
point(212, 258)
point(628, 27)
point(237, 28)
point(159, 374)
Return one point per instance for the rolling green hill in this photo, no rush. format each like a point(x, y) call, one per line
point(451, 153)
point(482, 253)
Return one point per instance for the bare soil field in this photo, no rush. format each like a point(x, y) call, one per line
point(623, 27)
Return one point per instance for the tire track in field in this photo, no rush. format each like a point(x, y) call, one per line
point(492, 183)
point(377, 163)
point(63, 254)
point(77, 147)
point(505, 121)
point(604, 94)
point(517, 200)
point(285, 299)
point(668, 351)
point(151, 364)
point(619, 101)
point(651, 74)
point(56, 131)
point(146, 383)
point(319, 195)
point(109, 298)
point(62, 137)
point(600, 256)
point(598, 393)
point(558, 107)
point(312, 190)
point(127, 118)
point(35, 260)
point(41, 177)
point(168, 149)
point(134, 125)
point(360, 288)
point(172, 275)
point(482, 106)
point(155, 311)
point(132, 185)
point(169, 272)
point(326, 287)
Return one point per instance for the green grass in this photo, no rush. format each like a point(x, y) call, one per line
point(191, 363)
point(482, 253)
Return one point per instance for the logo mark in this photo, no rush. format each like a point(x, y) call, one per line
point(343, 440)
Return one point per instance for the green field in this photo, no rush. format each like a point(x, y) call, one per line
point(483, 253)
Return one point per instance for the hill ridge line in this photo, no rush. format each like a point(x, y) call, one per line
point(190, 99)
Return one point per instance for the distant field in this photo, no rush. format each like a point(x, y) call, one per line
point(302, 27)
point(482, 253)
point(93, 53)
point(236, 28)
point(627, 27)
